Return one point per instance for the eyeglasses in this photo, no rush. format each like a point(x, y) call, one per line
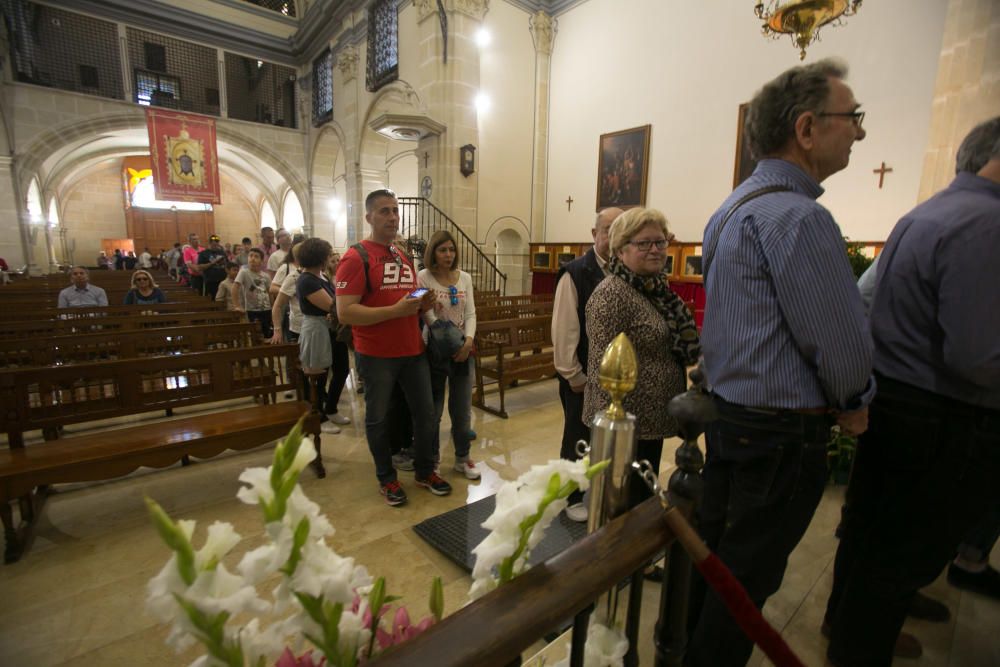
point(142, 280)
point(645, 245)
point(453, 292)
point(395, 255)
point(858, 117)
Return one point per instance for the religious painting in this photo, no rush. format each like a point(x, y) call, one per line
point(622, 168)
point(541, 259)
point(745, 164)
point(691, 268)
point(184, 159)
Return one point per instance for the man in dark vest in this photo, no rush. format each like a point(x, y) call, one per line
point(576, 282)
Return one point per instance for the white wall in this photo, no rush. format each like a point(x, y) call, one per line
point(507, 77)
point(685, 68)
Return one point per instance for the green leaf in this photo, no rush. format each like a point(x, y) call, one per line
point(313, 607)
point(298, 541)
point(436, 603)
point(174, 538)
point(597, 467)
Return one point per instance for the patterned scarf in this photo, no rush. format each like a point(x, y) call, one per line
point(684, 342)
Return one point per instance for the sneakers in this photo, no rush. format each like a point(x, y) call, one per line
point(985, 582)
point(468, 467)
point(393, 492)
point(402, 461)
point(337, 418)
point(434, 484)
point(472, 434)
point(329, 427)
point(577, 512)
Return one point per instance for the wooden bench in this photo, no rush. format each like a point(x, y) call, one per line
point(509, 351)
point(47, 398)
point(10, 330)
point(84, 347)
point(517, 300)
point(514, 311)
point(115, 298)
point(24, 313)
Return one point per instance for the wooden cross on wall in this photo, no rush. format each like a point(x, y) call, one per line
point(427, 156)
point(881, 171)
point(569, 203)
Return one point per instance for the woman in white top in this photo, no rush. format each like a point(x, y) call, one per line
point(456, 304)
point(285, 296)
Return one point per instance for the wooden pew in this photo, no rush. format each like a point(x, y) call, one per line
point(115, 298)
point(510, 312)
point(520, 299)
point(509, 351)
point(83, 347)
point(47, 398)
point(113, 325)
point(22, 313)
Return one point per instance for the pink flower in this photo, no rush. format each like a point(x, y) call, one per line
point(288, 659)
point(402, 630)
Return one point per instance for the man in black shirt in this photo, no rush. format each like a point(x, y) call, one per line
point(212, 264)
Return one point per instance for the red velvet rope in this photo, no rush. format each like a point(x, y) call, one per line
point(745, 613)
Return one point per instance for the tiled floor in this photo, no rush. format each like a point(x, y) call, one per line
point(77, 598)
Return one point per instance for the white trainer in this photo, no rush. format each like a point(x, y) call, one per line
point(577, 512)
point(327, 427)
point(339, 419)
point(468, 467)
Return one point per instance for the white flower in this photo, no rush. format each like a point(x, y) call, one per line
point(605, 647)
point(299, 507)
point(267, 644)
point(259, 490)
point(219, 590)
point(303, 457)
point(323, 572)
point(221, 539)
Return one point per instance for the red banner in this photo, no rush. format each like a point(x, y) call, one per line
point(185, 162)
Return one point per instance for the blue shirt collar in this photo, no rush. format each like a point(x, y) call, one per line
point(797, 177)
point(968, 181)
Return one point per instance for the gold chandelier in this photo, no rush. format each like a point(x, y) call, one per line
point(802, 19)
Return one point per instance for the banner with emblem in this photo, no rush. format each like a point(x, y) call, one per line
point(185, 162)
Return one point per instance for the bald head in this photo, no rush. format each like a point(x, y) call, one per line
point(601, 226)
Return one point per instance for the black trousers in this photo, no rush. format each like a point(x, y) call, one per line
point(764, 476)
point(573, 428)
point(339, 370)
point(925, 473)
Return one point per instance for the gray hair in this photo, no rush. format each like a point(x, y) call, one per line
point(980, 145)
point(633, 221)
point(770, 121)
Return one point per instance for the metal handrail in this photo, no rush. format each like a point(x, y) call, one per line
point(419, 218)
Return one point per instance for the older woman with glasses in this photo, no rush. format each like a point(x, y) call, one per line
point(144, 290)
point(636, 299)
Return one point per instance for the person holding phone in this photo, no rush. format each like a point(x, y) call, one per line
point(454, 307)
point(374, 285)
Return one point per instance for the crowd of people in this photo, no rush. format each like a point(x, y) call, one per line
point(787, 347)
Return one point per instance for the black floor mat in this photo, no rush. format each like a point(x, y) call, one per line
point(456, 533)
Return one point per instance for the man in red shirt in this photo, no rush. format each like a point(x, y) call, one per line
point(385, 324)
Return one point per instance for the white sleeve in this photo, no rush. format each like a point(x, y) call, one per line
point(566, 332)
point(470, 307)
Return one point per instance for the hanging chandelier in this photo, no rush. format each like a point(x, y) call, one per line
point(802, 19)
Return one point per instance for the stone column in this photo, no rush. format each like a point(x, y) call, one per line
point(354, 200)
point(966, 91)
point(15, 249)
point(449, 93)
point(543, 31)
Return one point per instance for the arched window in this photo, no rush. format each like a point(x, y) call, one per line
point(267, 218)
point(292, 217)
point(33, 203)
point(53, 213)
point(144, 196)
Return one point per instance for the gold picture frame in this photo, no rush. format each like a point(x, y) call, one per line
point(623, 168)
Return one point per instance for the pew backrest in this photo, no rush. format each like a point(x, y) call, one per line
point(114, 324)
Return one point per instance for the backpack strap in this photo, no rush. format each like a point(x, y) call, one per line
point(363, 253)
point(709, 252)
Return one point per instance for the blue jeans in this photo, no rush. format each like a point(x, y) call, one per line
point(764, 476)
point(380, 375)
point(459, 379)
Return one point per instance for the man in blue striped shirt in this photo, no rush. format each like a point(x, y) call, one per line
point(787, 348)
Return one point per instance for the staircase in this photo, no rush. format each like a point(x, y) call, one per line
point(419, 219)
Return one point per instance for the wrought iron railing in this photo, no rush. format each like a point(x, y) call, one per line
point(418, 219)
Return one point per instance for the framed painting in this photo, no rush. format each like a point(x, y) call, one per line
point(745, 164)
point(673, 261)
point(691, 268)
point(622, 168)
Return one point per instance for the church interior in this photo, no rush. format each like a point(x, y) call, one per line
point(497, 118)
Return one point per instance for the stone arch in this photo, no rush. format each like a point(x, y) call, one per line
point(507, 238)
point(329, 145)
point(55, 142)
point(373, 148)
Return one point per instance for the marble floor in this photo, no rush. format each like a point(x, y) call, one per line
point(77, 597)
